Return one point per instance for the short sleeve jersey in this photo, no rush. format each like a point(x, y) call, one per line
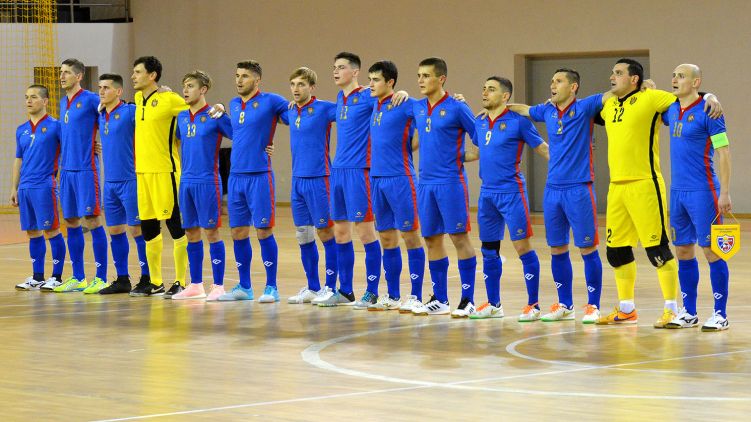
point(353, 113)
point(441, 128)
point(310, 137)
point(78, 126)
point(633, 137)
point(691, 150)
point(391, 131)
point(200, 137)
point(38, 146)
point(156, 146)
point(253, 125)
point(117, 131)
point(501, 142)
point(570, 139)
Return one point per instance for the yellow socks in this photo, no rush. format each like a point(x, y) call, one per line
point(625, 279)
point(668, 277)
point(154, 257)
point(181, 259)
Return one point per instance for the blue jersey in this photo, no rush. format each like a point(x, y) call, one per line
point(200, 137)
point(309, 137)
point(391, 130)
point(118, 140)
point(38, 145)
point(352, 128)
point(441, 130)
point(501, 142)
point(253, 125)
point(78, 128)
point(691, 150)
point(570, 139)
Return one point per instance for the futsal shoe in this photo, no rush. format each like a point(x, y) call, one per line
point(322, 295)
point(147, 289)
point(410, 304)
point(465, 309)
point(618, 317)
point(120, 285)
point(30, 284)
point(716, 322)
point(270, 295)
point(432, 307)
point(95, 286)
point(338, 299)
point(50, 284)
point(683, 320)
point(486, 310)
point(591, 314)
point(365, 301)
point(559, 312)
point(193, 291)
point(71, 285)
point(305, 295)
point(237, 293)
point(216, 291)
point(530, 313)
point(667, 316)
point(385, 303)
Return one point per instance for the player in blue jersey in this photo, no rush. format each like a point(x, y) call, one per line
point(394, 195)
point(310, 133)
point(117, 122)
point(503, 201)
point(250, 193)
point(200, 194)
point(569, 198)
point(697, 194)
point(79, 178)
point(442, 193)
point(34, 188)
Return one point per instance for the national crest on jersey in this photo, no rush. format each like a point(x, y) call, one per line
point(253, 125)
point(391, 132)
point(38, 145)
point(353, 114)
point(310, 135)
point(117, 136)
point(78, 131)
point(200, 138)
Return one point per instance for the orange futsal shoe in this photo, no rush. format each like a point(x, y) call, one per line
point(618, 317)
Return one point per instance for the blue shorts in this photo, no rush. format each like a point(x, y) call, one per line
point(350, 195)
point(570, 207)
point(309, 199)
point(200, 204)
point(496, 210)
point(79, 193)
point(38, 208)
point(443, 208)
point(250, 199)
point(120, 201)
point(691, 215)
point(395, 203)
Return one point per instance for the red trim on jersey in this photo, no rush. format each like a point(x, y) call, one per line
point(708, 172)
point(683, 110)
point(460, 166)
point(216, 180)
point(519, 183)
point(367, 151)
point(492, 121)
point(299, 108)
point(55, 216)
point(591, 152)
point(273, 199)
point(271, 138)
point(193, 116)
point(243, 103)
point(405, 162)
point(594, 213)
point(380, 102)
point(346, 97)
point(369, 212)
point(107, 113)
point(432, 107)
point(98, 206)
point(561, 113)
point(35, 126)
point(326, 159)
point(73, 98)
point(328, 197)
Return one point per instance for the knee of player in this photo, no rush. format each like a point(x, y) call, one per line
point(491, 249)
point(175, 228)
point(522, 246)
point(711, 256)
point(49, 234)
point(305, 234)
point(325, 234)
point(212, 235)
point(114, 230)
point(659, 255)
point(411, 239)
point(620, 256)
point(151, 229)
point(264, 233)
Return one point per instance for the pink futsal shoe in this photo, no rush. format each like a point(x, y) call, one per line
point(193, 291)
point(215, 292)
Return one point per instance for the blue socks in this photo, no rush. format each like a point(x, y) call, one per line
point(75, 249)
point(37, 251)
point(120, 250)
point(345, 255)
point(467, 270)
point(243, 254)
point(57, 244)
point(492, 268)
point(99, 244)
point(531, 265)
point(270, 256)
point(593, 277)
point(142, 261)
point(563, 277)
point(195, 261)
point(688, 276)
point(719, 276)
point(392, 267)
point(416, 259)
point(439, 275)
point(373, 266)
point(217, 254)
point(309, 257)
point(332, 268)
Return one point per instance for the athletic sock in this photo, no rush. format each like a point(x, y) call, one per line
point(492, 268)
point(688, 277)
point(625, 279)
point(181, 259)
point(531, 266)
point(373, 266)
point(309, 258)
point(439, 269)
point(154, 257)
point(99, 244)
point(563, 277)
point(243, 255)
point(392, 268)
point(37, 252)
point(120, 249)
point(416, 260)
point(593, 277)
point(57, 245)
point(467, 270)
point(195, 261)
point(143, 262)
point(75, 250)
point(217, 252)
point(719, 275)
point(667, 275)
point(345, 255)
point(270, 256)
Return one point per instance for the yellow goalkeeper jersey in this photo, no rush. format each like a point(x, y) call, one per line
point(157, 149)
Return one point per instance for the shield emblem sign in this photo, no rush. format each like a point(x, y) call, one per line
point(726, 240)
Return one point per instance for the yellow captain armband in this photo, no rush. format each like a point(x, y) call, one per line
point(720, 140)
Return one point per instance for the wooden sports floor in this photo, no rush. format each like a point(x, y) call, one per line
point(76, 357)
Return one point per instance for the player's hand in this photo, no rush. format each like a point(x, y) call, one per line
point(98, 147)
point(14, 198)
point(163, 88)
point(399, 97)
point(269, 150)
point(483, 114)
point(216, 111)
point(724, 203)
point(460, 98)
point(648, 84)
point(712, 106)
